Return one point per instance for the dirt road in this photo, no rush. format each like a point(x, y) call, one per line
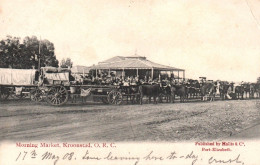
point(25, 120)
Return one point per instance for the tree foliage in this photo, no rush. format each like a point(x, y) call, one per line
point(66, 63)
point(26, 54)
point(258, 79)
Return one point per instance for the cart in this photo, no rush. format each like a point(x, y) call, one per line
point(56, 86)
point(109, 94)
point(17, 83)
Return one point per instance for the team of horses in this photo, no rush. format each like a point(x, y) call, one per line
point(167, 92)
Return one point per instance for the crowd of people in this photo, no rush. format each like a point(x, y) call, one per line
point(193, 86)
point(112, 79)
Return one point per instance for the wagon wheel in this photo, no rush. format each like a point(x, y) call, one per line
point(57, 95)
point(4, 93)
point(104, 100)
point(115, 97)
point(36, 95)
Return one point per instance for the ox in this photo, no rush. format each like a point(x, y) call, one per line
point(149, 91)
point(179, 90)
point(193, 87)
point(168, 93)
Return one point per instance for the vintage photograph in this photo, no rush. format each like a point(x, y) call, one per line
point(123, 71)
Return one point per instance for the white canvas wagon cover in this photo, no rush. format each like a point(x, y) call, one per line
point(63, 76)
point(17, 76)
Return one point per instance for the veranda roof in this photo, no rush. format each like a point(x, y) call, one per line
point(133, 63)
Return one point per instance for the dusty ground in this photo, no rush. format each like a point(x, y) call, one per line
point(25, 120)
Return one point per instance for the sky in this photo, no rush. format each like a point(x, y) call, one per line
point(218, 39)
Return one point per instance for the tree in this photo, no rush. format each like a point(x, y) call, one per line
point(27, 54)
point(40, 52)
point(10, 52)
point(66, 63)
point(258, 80)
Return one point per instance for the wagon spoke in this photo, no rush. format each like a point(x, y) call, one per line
point(36, 95)
point(62, 91)
point(58, 101)
point(113, 101)
point(51, 97)
point(52, 92)
point(55, 101)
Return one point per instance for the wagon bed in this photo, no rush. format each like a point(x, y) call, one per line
point(109, 94)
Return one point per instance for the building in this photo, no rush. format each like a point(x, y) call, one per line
point(136, 66)
point(80, 70)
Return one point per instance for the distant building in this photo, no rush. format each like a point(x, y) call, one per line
point(80, 70)
point(136, 66)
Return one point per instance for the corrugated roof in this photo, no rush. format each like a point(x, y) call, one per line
point(133, 63)
point(136, 57)
point(120, 58)
point(113, 59)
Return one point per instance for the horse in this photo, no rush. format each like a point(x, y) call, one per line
point(190, 90)
point(208, 89)
point(239, 90)
point(252, 90)
point(151, 90)
point(257, 90)
point(196, 86)
point(246, 87)
point(223, 89)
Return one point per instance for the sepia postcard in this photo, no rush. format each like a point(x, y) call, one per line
point(135, 82)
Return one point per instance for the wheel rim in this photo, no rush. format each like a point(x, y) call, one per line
point(115, 97)
point(36, 95)
point(57, 95)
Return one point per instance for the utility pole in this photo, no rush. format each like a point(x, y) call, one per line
point(39, 59)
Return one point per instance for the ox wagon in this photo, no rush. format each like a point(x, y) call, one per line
point(16, 82)
point(56, 86)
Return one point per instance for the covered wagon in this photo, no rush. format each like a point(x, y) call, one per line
point(17, 82)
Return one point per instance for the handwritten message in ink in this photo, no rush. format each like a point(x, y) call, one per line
point(110, 155)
